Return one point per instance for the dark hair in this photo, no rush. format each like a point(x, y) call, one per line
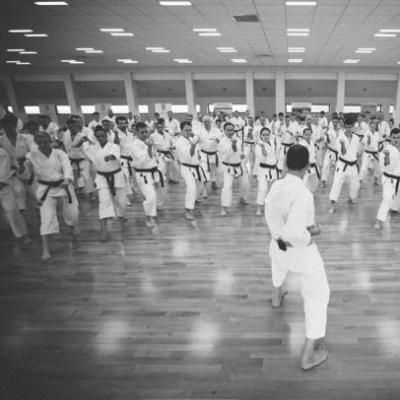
point(307, 129)
point(348, 121)
point(44, 116)
point(121, 118)
point(140, 125)
point(9, 119)
point(297, 157)
point(280, 114)
point(322, 112)
point(71, 120)
point(226, 124)
point(185, 123)
point(394, 131)
point(160, 121)
point(98, 128)
point(265, 129)
point(95, 113)
point(31, 126)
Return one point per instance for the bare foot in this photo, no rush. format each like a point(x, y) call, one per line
point(46, 256)
point(277, 297)
point(189, 215)
point(378, 226)
point(332, 210)
point(314, 354)
point(258, 212)
point(223, 213)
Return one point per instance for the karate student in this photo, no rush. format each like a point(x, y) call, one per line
point(95, 121)
point(232, 155)
point(332, 151)
point(237, 121)
point(267, 166)
point(147, 173)
point(73, 141)
point(187, 149)
point(383, 126)
point(312, 176)
point(287, 138)
point(346, 166)
point(370, 156)
point(164, 148)
point(390, 160)
point(8, 202)
point(47, 125)
point(107, 126)
point(110, 180)
point(173, 128)
point(172, 124)
point(54, 176)
point(209, 139)
point(289, 212)
point(250, 136)
point(125, 139)
point(322, 121)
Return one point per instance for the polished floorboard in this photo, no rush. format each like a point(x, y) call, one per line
point(183, 312)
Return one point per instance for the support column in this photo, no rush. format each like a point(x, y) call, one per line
point(190, 94)
point(250, 93)
point(340, 92)
point(18, 109)
point(72, 97)
point(280, 98)
point(132, 93)
point(396, 111)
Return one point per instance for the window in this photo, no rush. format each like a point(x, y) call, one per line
point(63, 109)
point(143, 109)
point(182, 108)
point(10, 109)
point(239, 107)
point(88, 109)
point(121, 109)
point(316, 108)
point(391, 109)
point(379, 108)
point(289, 108)
point(352, 109)
point(32, 110)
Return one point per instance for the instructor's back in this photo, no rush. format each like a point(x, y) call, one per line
point(289, 211)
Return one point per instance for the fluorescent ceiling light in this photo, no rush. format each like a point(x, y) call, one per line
point(66, 61)
point(51, 3)
point(239, 60)
point(127, 61)
point(154, 48)
point(12, 62)
point(94, 51)
point(225, 48)
point(389, 30)
point(398, 62)
point(28, 52)
point(367, 48)
point(385, 35)
point(20, 30)
point(36, 35)
point(23, 63)
point(295, 60)
point(301, 3)
point(351, 61)
point(84, 48)
point(175, 3)
point(364, 51)
point(121, 34)
point(298, 30)
point(183, 60)
point(209, 34)
point(76, 62)
point(228, 51)
point(111, 30)
point(161, 51)
point(204, 30)
point(298, 34)
point(15, 50)
point(296, 49)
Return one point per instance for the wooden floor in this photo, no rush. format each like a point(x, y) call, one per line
point(184, 313)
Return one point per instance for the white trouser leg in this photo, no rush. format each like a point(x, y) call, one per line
point(262, 189)
point(226, 192)
point(112, 206)
point(354, 182)
point(87, 176)
point(311, 180)
point(128, 178)
point(278, 273)
point(173, 170)
point(48, 217)
point(191, 187)
point(213, 172)
point(11, 212)
point(388, 192)
point(364, 165)
point(19, 192)
point(338, 179)
point(70, 211)
point(315, 292)
point(244, 184)
point(326, 166)
point(149, 193)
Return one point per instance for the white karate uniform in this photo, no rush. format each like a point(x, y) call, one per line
point(267, 170)
point(55, 168)
point(286, 140)
point(52, 130)
point(384, 129)
point(145, 169)
point(332, 152)
point(126, 141)
point(232, 168)
point(346, 168)
point(238, 122)
point(311, 177)
point(172, 126)
point(7, 197)
point(92, 124)
point(323, 122)
point(390, 183)
point(289, 211)
point(249, 137)
point(80, 163)
point(110, 206)
point(209, 151)
point(370, 156)
point(192, 173)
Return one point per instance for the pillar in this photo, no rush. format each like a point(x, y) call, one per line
point(250, 93)
point(190, 94)
point(72, 97)
point(396, 111)
point(280, 99)
point(132, 93)
point(340, 92)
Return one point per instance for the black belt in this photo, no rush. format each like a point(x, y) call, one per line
point(286, 146)
point(211, 153)
point(129, 159)
point(348, 163)
point(234, 166)
point(50, 185)
point(335, 152)
point(247, 142)
point(270, 167)
point(167, 153)
point(396, 178)
point(373, 153)
point(77, 162)
point(313, 165)
point(110, 179)
point(199, 171)
point(151, 171)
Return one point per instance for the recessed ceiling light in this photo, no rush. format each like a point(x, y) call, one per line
point(51, 3)
point(84, 48)
point(76, 62)
point(296, 49)
point(23, 63)
point(351, 61)
point(298, 34)
point(385, 35)
point(183, 60)
point(295, 60)
point(111, 30)
point(15, 50)
point(161, 51)
point(127, 61)
point(28, 52)
point(367, 48)
point(204, 30)
point(66, 61)
point(209, 34)
point(301, 3)
point(225, 48)
point(363, 51)
point(12, 62)
point(20, 30)
point(94, 51)
point(239, 60)
point(398, 62)
point(36, 35)
point(175, 3)
point(298, 30)
point(121, 34)
point(228, 51)
point(154, 48)
point(389, 30)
